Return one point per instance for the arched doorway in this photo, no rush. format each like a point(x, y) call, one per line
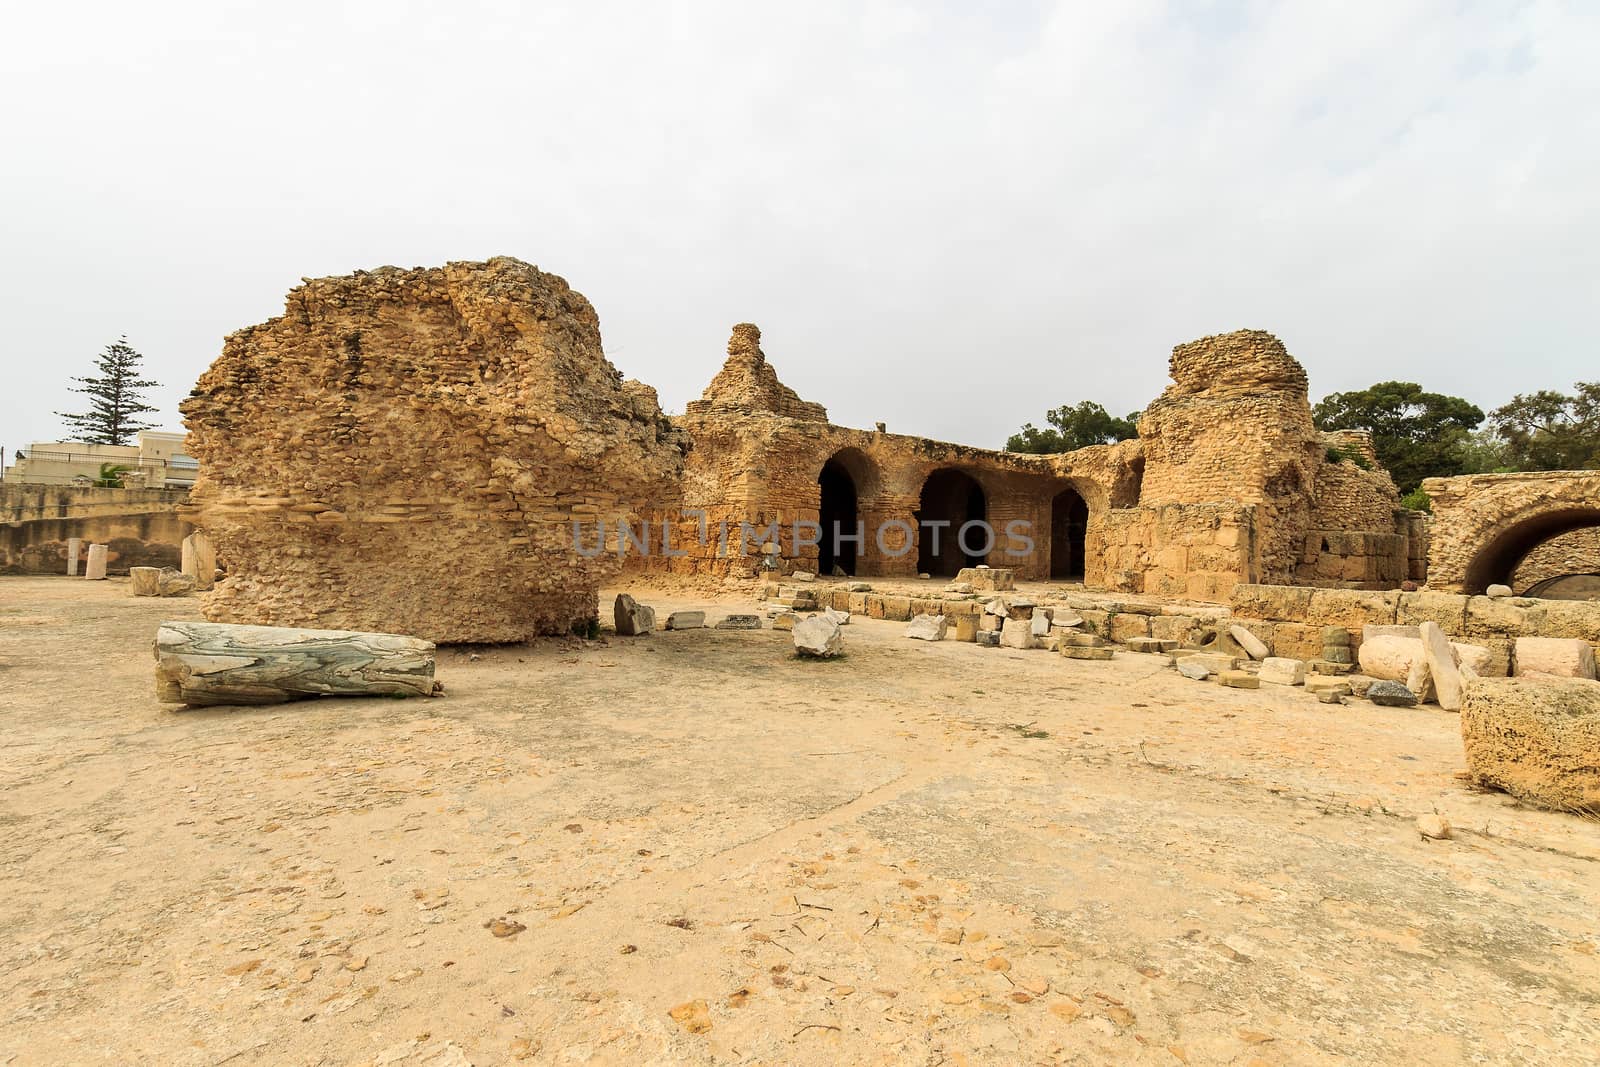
point(1069, 526)
point(838, 516)
point(953, 498)
point(1496, 561)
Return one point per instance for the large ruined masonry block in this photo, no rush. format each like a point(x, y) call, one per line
point(1536, 738)
point(406, 451)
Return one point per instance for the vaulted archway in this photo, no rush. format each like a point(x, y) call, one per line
point(951, 499)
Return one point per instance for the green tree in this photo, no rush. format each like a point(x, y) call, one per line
point(1416, 434)
point(1074, 426)
point(115, 399)
point(1551, 431)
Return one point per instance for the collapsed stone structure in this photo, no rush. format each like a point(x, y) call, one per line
point(406, 450)
point(1228, 482)
point(448, 453)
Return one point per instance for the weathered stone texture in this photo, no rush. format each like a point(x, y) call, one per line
point(1536, 738)
point(1485, 525)
point(407, 451)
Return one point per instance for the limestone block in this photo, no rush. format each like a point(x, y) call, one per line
point(1039, 625)
point(1448, 610)
point(784, 620)
point(1497, 591)
point(840, 617)
point(1215, 662)
point(802, 576)
point(686, 620)
point(1334, 636)
point(200, 560)
point(633, 619)
point(95, 570)
point(146, 581)
point(1020, 608)
point(1352, 608)
point(1319, 683)
point(1280, 670)
point(1564, 657)
point(990, 623)
point(1252, 645)
point(819, 637)
point(74, 553)
point(1239, 680)
point(997, 579)
point(1297, 640)
point(1066, 619)
point(1329, 667)
point(1018, 636)
point(966, 627)
point(1126, 625)
point(1359, 684)
point(1271, 601)
point(170, 582)
point(740, 622)
point(1085, 652)
point(1390, 694)
point(897, 608)
point(1369, 632)
point(1190, 669)
point(1538, 738)
point(1441, 660)
point(1389, 658)
point(1050, 642)
point(1083, 640)
point(928, 628)
point(1150, 644)
point(988, 638)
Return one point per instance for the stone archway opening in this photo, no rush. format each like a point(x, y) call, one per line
point(951, 499)
point(1496, 561)
point(1069, 527)
point(839, 515)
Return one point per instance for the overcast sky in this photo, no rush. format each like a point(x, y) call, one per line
point(948, 217)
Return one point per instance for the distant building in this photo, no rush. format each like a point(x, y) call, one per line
point(156, 462)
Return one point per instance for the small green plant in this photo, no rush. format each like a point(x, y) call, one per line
point(1339, 455)
point(1417, 500)
point(111, 476)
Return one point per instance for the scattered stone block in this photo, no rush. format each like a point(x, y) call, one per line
point(1316, 683)
point(966, 627)
point(1254, 647)
point(1215, 662)
point(175, 583)
point(1391, 694)
point(1085, 652)
point(1563, 657)
point(1280, 670)
point(819, 637)
point(740, 622)
point(928, 628)
point(1190, 669)
point(1150, 644)
point(1359, 684)
point(1441, 660)
point(1018, 636)
point(1039, 625)
point(1498, 591)
point(995, 579)
point(1322, 666)
point(199, 559)
point(990, 623)
point(1083, 640)
point(988, 638)
point(74, 552)
point(632, 618)
point(1335, 635)
point(1066, 619)
point(146, 581)
point(958, 587)
point(1330, 696)
point(95, 570)
point(784, 620)
point(1020, 608)
point(857, 587)
point(1239, 680)
point(802, 576)
point(840, 617)
point(1050, 642)
point(1127, 626)
point(1537, 738)
point(686, 620)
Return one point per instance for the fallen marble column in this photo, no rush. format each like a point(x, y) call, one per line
point(218, 663)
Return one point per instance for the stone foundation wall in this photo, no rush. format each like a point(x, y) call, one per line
point(1290, 618)
point(140, 527)
point(1576, 552)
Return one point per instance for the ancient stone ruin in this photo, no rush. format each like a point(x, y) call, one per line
point(406, 451)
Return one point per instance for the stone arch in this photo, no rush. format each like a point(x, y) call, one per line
point(954, 497)
point(1069, 530)
point(846, 480)
point(1484, 525)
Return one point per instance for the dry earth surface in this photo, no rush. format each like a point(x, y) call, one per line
point(695, 848)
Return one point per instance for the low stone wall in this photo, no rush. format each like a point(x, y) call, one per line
point(1188, 550)
point(1290, 618)
point(1353, 559)
point(140, 527)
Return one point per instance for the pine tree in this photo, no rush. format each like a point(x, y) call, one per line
point(116, 402)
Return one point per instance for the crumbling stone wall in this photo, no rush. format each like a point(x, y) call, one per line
point(1484, 525)
point(139, 527)
point(407, 451)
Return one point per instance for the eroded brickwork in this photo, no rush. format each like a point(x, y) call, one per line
point(407, 450)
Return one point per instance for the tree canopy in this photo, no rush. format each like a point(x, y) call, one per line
point(1550, 431)
point(1417, 434)
point(115, 402)
point(1073, 426)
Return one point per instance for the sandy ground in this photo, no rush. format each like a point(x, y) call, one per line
point(706, 851)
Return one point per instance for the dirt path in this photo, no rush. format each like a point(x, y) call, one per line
point(918, 854)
